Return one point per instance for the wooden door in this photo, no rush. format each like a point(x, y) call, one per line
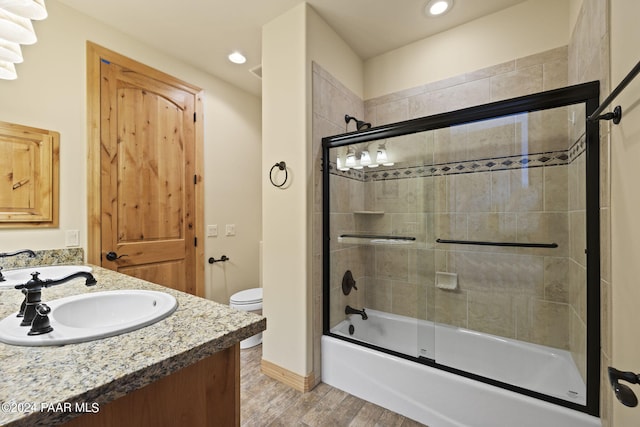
point(148, 177)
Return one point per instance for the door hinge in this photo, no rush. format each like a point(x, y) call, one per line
point(194, 117)
point(195, 179)
point(195, 241)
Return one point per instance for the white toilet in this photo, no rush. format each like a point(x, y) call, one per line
point(248, 300)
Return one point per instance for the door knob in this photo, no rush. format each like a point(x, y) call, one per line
point(112, 256)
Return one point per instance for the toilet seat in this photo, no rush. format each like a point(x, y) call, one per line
point(248, 300)
point(247, 297)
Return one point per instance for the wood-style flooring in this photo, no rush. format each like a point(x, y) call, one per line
point(267, 402)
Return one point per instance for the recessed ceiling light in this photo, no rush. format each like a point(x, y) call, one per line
point(437, 7)
point(237, 58)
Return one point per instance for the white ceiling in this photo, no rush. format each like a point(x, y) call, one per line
point(203, 32)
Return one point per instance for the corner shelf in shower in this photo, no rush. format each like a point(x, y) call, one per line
point(375, 239)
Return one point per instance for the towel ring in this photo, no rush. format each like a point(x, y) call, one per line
point(283, 167)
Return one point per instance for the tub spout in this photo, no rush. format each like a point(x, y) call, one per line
point(350, 310)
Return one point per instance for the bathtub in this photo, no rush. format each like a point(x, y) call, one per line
point(442, 399)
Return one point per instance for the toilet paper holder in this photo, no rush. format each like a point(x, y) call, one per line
point(223, 258)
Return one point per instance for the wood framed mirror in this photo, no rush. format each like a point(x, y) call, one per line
point(29, 176)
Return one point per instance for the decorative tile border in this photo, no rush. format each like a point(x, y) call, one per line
point(578, 148)
point(553, 158)
point(356, 174)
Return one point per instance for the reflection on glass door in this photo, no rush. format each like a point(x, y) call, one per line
point(512, 233)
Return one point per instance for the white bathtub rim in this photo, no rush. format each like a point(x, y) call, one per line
point(404, 405)
point(363, 386)
point(409, 324)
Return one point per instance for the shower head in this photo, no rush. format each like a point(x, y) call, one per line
point(360, 125)
point(623, 392)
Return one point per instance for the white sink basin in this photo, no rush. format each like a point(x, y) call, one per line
point(92, 316)
point(23, 275)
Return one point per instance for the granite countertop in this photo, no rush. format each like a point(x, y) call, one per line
point(101, 371)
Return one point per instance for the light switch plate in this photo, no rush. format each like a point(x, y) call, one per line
point(212, 230)
point(230, 230)
point(71, 238)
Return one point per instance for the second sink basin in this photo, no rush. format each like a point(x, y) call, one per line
point(91, 316)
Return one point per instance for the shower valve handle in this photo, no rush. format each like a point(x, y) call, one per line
point(348, 283)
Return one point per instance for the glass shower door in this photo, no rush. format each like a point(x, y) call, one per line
point(474, 243)
point(510, 231)
point(378, 217)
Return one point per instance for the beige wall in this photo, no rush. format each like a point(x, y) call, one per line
point(284, 210)
point(50, 93)
point(574, 11)
point(625, 202)
point(326, 48)
point(290, 44)
point(527, 28)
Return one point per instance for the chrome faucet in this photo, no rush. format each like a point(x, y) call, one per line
point(33, 293)
point(8, 254)
point(350, 310)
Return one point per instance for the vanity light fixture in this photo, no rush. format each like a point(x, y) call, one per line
point(8, 71)
point(16, 29)
point(237, 58)
point(339, 165)
point(365, 158)
point(351, 158)
point(437, 7)
point(10, 52)
point(30, 9)
point(381, 156)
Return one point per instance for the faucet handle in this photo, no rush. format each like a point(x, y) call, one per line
point(34, 283)
point(41, 324)
point(2, 279)
point(43, 309)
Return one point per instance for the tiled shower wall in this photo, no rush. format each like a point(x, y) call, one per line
point(517, 293)
point(520, 294)
point(331, 101)
point(589, 60)
point(523, 76)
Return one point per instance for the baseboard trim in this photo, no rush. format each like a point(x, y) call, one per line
point(285, 376)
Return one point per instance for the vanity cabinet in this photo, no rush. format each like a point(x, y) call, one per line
point(204, 394)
